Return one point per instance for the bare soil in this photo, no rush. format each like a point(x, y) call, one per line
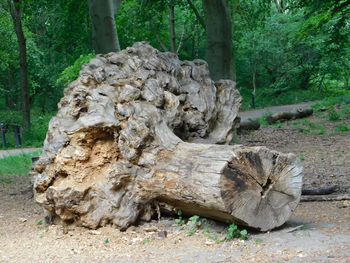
point(317, 232)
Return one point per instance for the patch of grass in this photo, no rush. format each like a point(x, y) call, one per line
point(306, 126)
point(302, 157)
point(343, 127)
point(263, 120)
point(18, 164)
point(344, 112)
point(333, 115)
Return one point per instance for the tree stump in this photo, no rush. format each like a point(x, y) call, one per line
point(140, 128)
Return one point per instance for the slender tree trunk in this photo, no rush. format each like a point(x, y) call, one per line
point(196, 12)
point(254, 86)
point(104, 32)
point(219, 39)
point(172, 28)
point(15, 11)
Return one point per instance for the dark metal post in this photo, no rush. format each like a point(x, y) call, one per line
point(17, 132)
point(3, 137)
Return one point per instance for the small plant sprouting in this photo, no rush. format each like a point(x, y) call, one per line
point(234, 232)
point(106, 241)
point(180, 221)
point(145, 241)
point(40, 222)
point(302, 157)
point(195, 222)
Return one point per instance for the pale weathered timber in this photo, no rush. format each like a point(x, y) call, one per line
point(123, 142)
point(289, 115)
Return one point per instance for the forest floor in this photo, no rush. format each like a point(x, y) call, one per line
point(317, 232)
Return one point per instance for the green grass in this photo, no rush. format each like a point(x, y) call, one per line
point(343, 127)
point(18, 164)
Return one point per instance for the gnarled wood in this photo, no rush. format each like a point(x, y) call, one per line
point(138, 128)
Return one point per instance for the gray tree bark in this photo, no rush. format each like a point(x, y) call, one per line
point(104, 31)
point(219, 39)
point(15, 11)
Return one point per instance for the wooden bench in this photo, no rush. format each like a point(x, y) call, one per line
point(16, 130)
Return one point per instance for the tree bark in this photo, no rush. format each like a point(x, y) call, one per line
point(172, 33)
point(104, 32)
point(219, 39)
point(15, 11)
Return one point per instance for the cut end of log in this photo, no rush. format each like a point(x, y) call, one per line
point(261, 188)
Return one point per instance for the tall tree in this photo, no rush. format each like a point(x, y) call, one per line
point(104, 32)
point(219, 39)
point(15, 11)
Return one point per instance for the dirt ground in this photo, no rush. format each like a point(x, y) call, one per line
point(317, 232)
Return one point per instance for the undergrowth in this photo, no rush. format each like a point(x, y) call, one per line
point(17, 164)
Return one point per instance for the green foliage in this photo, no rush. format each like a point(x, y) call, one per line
point(17, 164)
point(233, 232)
point(196, 222)
point(333, 115)
point(306, 126)
point(72, 72)
point(40, 222)
point(180, 220)
point(302, 157)
point(33, 137)
point(343, 127)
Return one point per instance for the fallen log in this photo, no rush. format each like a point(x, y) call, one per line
point(140, 128)
point(289, 115)
point(248, 125)
point(320, 191)
point(319, 198)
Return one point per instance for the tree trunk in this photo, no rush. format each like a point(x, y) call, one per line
point(145, 134)
point(15, 11)
point(104, 32)
point(289, 115)
point(172, 33)
point(219, 39)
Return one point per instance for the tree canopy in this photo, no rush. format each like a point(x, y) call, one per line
point(275, 48)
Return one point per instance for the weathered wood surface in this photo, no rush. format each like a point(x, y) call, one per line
point(289, 115)
point(136, 130)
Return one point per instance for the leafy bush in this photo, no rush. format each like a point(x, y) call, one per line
point(72, 72)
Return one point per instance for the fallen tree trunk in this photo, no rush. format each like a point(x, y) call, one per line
point(248, 125)
point(319, 198)
point(320, 191)
point(137, 129)
point(252, 186)
point(289, 115)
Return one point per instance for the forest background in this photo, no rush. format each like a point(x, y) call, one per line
point(278, 52)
